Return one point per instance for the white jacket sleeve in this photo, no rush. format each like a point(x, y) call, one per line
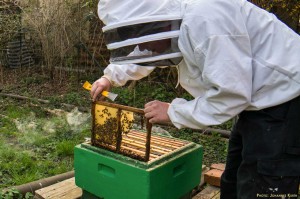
point(118, 75)
point(221, 51)
point(227, 75)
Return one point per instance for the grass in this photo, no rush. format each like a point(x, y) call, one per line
point(34, 143)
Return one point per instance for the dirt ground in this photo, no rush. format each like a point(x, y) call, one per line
point(36, 81)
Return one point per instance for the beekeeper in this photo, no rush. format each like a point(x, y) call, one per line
point(234, 59)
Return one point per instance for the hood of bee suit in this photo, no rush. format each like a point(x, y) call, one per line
point(129, 24)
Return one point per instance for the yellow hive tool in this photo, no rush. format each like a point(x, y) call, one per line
point(109, 95)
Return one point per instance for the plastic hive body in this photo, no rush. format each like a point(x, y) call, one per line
point(105, 174)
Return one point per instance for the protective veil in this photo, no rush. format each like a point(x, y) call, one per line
point(142, 32)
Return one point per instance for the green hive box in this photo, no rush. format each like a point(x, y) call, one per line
point(107, 175)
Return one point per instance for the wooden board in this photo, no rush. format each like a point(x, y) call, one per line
point(62, 190)
point(210, 192)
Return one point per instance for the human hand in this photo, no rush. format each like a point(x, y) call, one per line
point(157, 112)
point(98, 86)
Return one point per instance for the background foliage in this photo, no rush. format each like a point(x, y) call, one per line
point(286, 10)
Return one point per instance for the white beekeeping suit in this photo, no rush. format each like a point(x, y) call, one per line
point(235, 57)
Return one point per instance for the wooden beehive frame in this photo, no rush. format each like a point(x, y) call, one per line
point(160, 146)
point(117, 147)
